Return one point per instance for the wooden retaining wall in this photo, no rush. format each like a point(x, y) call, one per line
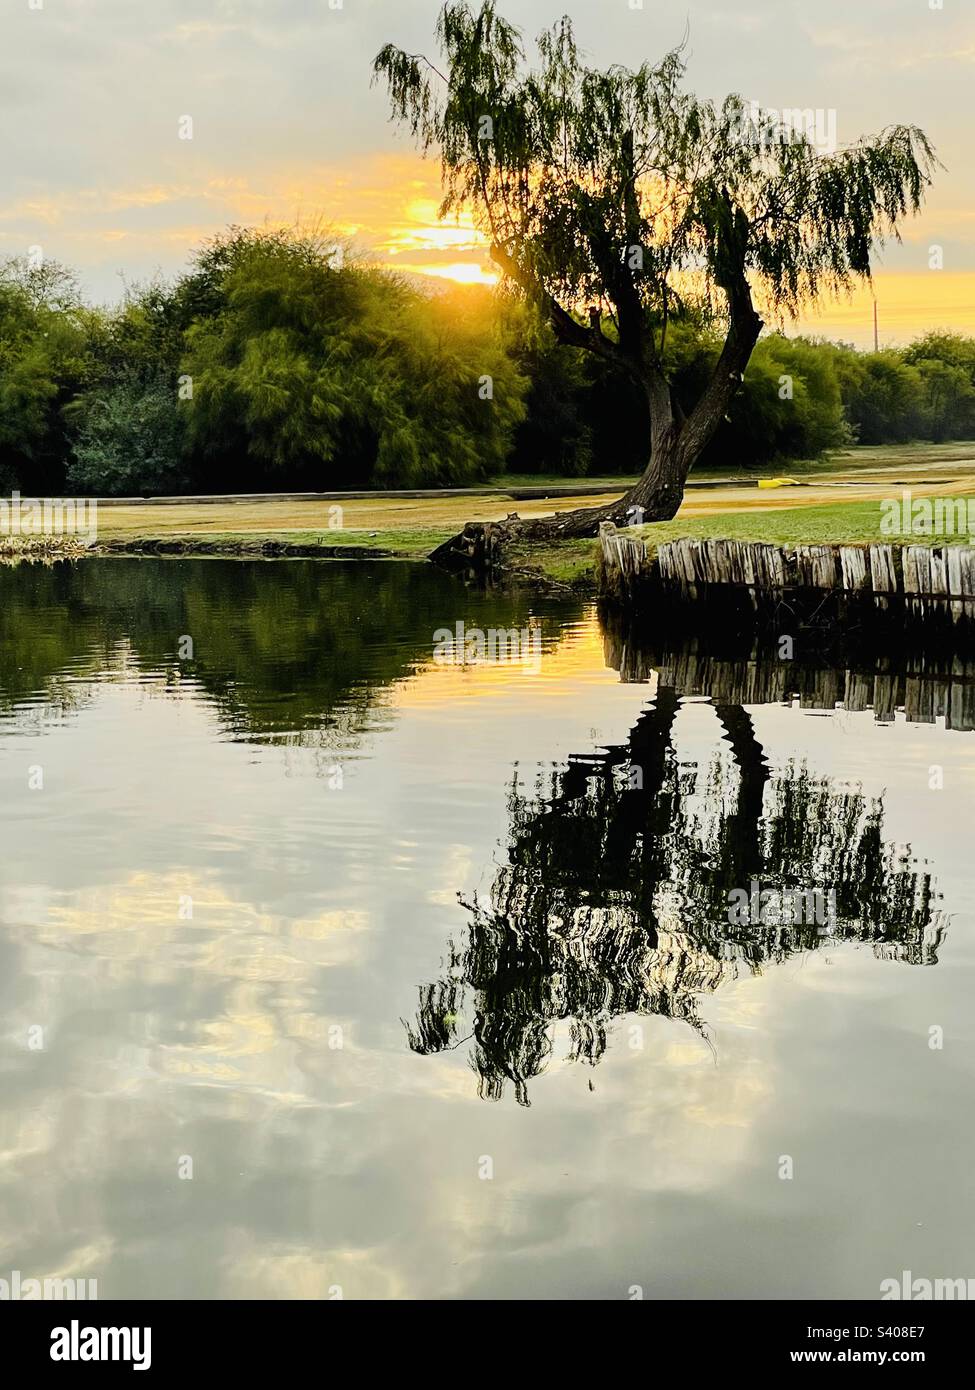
point(913, 572)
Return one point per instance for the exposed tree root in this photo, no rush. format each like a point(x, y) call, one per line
point(480, 546)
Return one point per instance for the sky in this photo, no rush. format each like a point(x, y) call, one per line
point(286, 126)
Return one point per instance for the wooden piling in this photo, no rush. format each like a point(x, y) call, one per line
point(918, 577)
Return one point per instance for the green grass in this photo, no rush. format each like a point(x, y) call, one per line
point(847, 523)
point(565, 562)
point(574, 562)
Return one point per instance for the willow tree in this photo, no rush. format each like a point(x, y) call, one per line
point(619, 203)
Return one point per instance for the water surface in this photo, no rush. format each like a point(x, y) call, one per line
point(428, 969)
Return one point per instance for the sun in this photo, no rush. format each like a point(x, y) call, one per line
point(454, 250)
point(460, 272)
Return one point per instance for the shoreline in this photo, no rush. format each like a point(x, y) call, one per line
point(847, 503)
point(674, 557)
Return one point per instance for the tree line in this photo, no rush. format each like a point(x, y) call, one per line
point(280, 362)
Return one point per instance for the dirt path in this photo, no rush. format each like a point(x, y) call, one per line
point(446, 513)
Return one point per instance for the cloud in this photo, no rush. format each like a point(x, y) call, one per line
point(287, 126)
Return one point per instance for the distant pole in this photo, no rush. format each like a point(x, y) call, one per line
point(876, 340)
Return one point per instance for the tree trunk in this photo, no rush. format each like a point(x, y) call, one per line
point(655, 496)
point(674, 443)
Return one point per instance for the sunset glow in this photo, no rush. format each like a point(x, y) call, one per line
point(126, 201)
point(387, 206)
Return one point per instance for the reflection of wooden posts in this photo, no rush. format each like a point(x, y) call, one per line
point(925, 687)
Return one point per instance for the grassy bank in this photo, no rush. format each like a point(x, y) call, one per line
point(841, 523)
point(403, 544)
point(841, 503)
point(566, 562)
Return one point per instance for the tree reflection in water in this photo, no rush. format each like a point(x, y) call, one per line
point(614, 899)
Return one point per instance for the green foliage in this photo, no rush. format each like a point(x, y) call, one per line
point(337, 375)
point(307, 373)
point(883, 396)
point(948, 409)
point(44, 362)
point(951, 348)
point(147, 332)
point(130, 439)
point(790, 405)
point(946, 364)
point(299, 368)
point(554, 436)
point(799, 397)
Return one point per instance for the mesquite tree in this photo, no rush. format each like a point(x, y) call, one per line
point(619, 203)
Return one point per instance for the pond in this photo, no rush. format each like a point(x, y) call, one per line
point(333, 964)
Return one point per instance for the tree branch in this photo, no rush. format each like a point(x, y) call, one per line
point(566, 328)
point(743, 330)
